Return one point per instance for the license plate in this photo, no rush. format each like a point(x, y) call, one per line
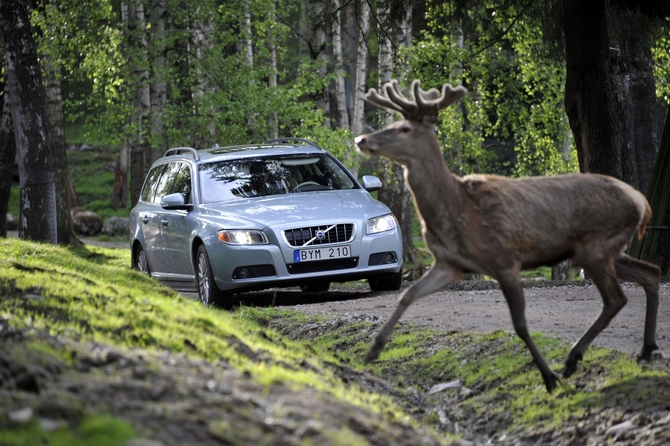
point(310, 255)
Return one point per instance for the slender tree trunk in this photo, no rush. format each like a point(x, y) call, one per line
point(610, 94)
point(272, 77)
point(340, 90)
point(394, 192)
point(140, 154)
point(7, 154)
point(54, 108)
point(317, 46)
point(358, 124)
point(158, 88)
point(26, 92)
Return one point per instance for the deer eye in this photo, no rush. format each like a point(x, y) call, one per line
point(405, 129)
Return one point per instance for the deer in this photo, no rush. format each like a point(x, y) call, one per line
point(498, 226)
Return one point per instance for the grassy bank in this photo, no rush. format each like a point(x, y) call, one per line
point(60, 308)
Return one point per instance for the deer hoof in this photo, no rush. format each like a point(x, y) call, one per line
point(550, 381)
point(374, 351)
point(645, 354)
point(571, 364)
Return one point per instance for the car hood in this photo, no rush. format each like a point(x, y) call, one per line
point(298, 207)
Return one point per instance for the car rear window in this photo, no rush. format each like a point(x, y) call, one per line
point(263, 176)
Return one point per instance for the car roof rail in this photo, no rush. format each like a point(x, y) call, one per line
point(290, 140)
point(180, 150)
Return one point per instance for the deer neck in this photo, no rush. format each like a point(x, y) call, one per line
point(435, 188)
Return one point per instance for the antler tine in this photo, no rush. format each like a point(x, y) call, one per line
point(432, 99)
point(393, 92)
point(380, 101)
point(450, 95)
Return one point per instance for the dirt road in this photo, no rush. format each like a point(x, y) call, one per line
point(563, 311)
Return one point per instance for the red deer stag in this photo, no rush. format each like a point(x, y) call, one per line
point(498, 226)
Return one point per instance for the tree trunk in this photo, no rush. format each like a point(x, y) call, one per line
point(340, 89)
point(394, 192)
point(272, 77)
point(158, 88)
point(120, 189)
point(610, 94)
point(317, 49)
point(140, 154)
point(655, 246)
point(54, 108)
point(358, 124)
point(26, 92)
point(7, 156)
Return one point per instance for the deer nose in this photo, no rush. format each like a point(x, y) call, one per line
point(359, 139)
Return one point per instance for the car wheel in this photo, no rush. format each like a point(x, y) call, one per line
point(209, 292)
point(141, 263)
point(317, 287)
point(389, 282)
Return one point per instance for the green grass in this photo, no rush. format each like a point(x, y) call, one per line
point(498, 367)
point(90, 294)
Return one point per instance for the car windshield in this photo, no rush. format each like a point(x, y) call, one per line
point(263, 176)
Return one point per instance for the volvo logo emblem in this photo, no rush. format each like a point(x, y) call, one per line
point(320, 235)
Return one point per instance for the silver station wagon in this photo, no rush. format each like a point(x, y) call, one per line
point(284, 213)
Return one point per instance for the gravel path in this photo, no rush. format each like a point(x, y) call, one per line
point(563, 311)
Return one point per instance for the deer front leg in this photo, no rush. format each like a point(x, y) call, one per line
point(511, 288)
point(647, 275)
point(613, 300)
point(435, 278)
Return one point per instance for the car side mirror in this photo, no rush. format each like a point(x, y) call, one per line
point(371, 183)
point(175, 201)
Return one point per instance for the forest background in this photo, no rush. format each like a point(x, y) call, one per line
point(555, 86)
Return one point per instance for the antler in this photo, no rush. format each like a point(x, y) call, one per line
point(424, 105)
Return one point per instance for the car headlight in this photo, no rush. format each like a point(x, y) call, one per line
point(381, 224)
point(242, 237)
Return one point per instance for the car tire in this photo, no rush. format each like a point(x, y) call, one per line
point(140, 262)
point(209, 292)
point(389, 282)
point(316, 287)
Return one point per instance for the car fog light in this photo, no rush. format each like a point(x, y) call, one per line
point(389, 258)
point(243, 272)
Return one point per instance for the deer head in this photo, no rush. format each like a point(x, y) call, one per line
point(398, 140)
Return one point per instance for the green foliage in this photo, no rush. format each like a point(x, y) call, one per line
point(516, 91)
point(661, 53)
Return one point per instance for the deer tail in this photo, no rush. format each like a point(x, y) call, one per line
point(642, 227)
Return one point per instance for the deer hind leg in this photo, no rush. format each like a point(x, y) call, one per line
point(647, 275)
point(511, 288)
point(613, 298)
point(434, 279)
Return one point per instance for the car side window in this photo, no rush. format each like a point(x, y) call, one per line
point(149, 188)
point(165, 181)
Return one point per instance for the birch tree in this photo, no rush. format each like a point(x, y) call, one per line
point(358, 123)
point(140, 155)
point(340, 87)
point(317, 49)
point(394, 192)
point(158, 87)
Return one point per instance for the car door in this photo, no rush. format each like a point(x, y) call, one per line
point(164, 266)
point(148, 216)
point(175, 227)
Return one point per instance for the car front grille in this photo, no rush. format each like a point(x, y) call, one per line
point(319, 235)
